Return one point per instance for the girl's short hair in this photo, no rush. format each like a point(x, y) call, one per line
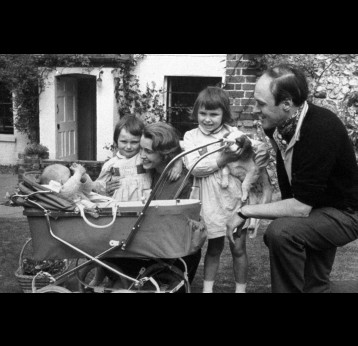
point(165, 139)
point(288, 82)
point(131, 124)
point(213, 98)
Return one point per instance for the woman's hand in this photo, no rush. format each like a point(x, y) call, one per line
point(236, 222)
point(175, 172)
point(112, 186)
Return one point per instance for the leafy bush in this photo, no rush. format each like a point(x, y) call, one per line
point(37, 149)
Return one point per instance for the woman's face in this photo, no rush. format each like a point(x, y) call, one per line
point(210, 120)
point(151, 159)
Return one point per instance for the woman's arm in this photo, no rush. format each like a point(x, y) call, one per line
point(175, 171)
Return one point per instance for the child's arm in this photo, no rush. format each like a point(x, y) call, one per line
point(72, 185)
point(100, 184)
point(87, 184)
point(210, 164)
point(206, 166)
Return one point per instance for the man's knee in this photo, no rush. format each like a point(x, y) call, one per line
point(278, 232)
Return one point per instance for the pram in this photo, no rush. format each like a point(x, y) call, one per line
point(162, 231)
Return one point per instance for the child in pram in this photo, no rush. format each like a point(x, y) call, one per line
point(77, 187)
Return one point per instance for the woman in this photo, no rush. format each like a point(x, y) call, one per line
point(159, 145)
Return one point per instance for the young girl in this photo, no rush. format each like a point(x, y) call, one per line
point(212, 111)
point(124, 173)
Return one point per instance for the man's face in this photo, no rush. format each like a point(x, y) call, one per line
point(270, 115)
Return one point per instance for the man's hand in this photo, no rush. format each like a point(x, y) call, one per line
point(112, 186)
point(236, 222)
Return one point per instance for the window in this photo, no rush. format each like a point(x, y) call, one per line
point(182, 93)
point(6, 116)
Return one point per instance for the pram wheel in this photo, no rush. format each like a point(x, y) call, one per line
point(53, 289)
point(169, 278)
point(104, 281)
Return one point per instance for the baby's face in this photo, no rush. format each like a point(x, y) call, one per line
point(128, 145)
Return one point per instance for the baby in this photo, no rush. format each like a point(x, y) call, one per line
point(76, 188)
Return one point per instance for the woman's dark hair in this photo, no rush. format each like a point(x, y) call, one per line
point(213, 98)
point(288, 83)
point(165, 139)
point(131, 124)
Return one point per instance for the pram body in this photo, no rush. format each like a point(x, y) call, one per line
point(153, 239)
point(154, 229)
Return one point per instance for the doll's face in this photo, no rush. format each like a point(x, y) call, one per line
point(128, 144)
point(210, 120)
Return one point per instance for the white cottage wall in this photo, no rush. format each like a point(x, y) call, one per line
point(155, 67)
point(105, 110)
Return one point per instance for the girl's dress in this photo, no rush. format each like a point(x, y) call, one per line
point(218, 204)
point(135, 180)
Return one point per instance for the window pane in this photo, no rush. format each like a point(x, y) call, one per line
point(182, 94)
point(6, 116)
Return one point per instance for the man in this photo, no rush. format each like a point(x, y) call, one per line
point(318, 178)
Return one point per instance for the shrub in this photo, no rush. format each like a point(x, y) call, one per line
point(37, 149)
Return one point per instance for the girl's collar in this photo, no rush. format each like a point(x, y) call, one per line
point(206, 132)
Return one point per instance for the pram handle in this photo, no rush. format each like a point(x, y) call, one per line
point(135, 228)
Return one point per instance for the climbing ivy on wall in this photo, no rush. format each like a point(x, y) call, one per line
point(25, 75)
point(130, 99)
point(21, 75)
point(333, 82)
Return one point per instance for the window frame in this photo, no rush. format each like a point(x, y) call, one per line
point(188, 125)
point(6, 103)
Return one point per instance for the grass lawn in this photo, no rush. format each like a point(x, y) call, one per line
point(13, 235)
point(15, 231)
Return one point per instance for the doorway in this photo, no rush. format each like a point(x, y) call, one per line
point(76, 117)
